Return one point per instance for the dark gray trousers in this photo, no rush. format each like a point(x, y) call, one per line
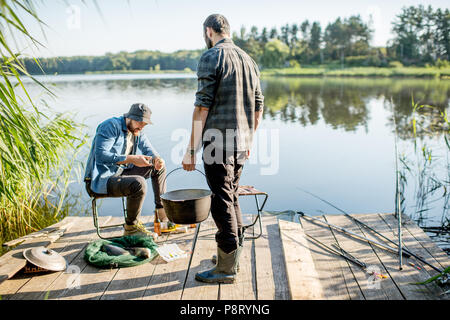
point(131, 183)
point(223, 180)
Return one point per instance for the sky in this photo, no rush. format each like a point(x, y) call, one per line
point(75, 27)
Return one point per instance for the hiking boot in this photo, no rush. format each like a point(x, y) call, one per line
point(138, 229)
point(225, 269)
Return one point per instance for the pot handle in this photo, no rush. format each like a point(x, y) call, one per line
point(179, 169)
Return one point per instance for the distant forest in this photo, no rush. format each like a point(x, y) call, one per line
point(421, 38)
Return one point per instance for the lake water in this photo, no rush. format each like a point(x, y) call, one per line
point(332, 137)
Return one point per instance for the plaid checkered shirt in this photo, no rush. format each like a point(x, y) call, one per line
point(229, 86)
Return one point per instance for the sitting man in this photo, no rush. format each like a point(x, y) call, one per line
point(113, 167)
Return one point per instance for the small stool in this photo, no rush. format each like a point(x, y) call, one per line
point(251, 191)
point(94, 196)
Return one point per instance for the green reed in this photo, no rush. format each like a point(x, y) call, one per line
point(429, 165)
point(37, 150)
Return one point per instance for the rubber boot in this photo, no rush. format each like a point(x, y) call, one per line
point(161, 215)
point(241, 234)
point(225, 269)
point(214, 260)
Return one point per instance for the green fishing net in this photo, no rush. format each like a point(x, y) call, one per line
point(96, 257)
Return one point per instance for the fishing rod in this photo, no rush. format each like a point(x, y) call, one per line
point(341, 253)
point(374, 231)
point(364, 266)
point(398, 207)
point(381, 245)
point(351, 217)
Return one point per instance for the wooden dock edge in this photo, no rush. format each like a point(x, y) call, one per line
point(303, 279)
point(13, 261)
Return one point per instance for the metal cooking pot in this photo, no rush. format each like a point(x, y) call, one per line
point(187, 206)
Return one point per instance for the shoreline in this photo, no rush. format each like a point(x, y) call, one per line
point(307, 72)
point(360, 72)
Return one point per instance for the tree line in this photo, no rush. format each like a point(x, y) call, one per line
point(421, 37)
point(122, 61)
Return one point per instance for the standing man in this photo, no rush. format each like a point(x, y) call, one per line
point(114, 168)
point(228, 109)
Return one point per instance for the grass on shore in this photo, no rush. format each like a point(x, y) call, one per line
point(140, 71)
point(320, 71)
point(416, 72)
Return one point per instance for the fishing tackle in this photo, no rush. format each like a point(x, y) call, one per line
point(381, 245)
point(362, 224)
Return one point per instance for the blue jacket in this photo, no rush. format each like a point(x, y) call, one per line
point(108, 148)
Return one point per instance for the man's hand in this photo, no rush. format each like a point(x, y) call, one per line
point(158, 163)
point(140, 160)
point(188, 162)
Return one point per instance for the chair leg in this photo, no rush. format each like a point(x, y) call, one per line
point(124, 207)
point(258, 217)
point(95, 217)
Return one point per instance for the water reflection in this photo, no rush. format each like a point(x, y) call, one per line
point(343, 103)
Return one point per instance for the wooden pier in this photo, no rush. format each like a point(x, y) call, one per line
point(282, 264)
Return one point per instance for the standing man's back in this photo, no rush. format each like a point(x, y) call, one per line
point(228, 108)
point(229, 86)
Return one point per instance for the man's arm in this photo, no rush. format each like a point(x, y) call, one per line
point(148, 150)
point(258, 117)
point(104, 140)
point(198, 123)
point(259, 100)
point(259, 103)
point(148, 154)
point(204, 99)
point(137, 159)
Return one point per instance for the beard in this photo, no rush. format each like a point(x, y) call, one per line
point(208, 42)
point(132, 129)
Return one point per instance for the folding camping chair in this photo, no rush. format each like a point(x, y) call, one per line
point(251, 191)
point(94, 196)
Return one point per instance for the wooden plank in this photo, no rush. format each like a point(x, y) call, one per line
point(351, 283)
point(205, 248)
point(13, 285)
point(278, 265)
point(40, 282)
point(244, 287)
point(130, 283)
point(74, 242)
point(411, 243)
point(95, 281)
point(167, 280)
point(268, 257)
point(403, 279)
point(329, 268)
point(65, 286)
point(13, 261)
point(303, 279)
point(152, 280)
point(372, 288)
point(53, 232)
point(426, 242)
